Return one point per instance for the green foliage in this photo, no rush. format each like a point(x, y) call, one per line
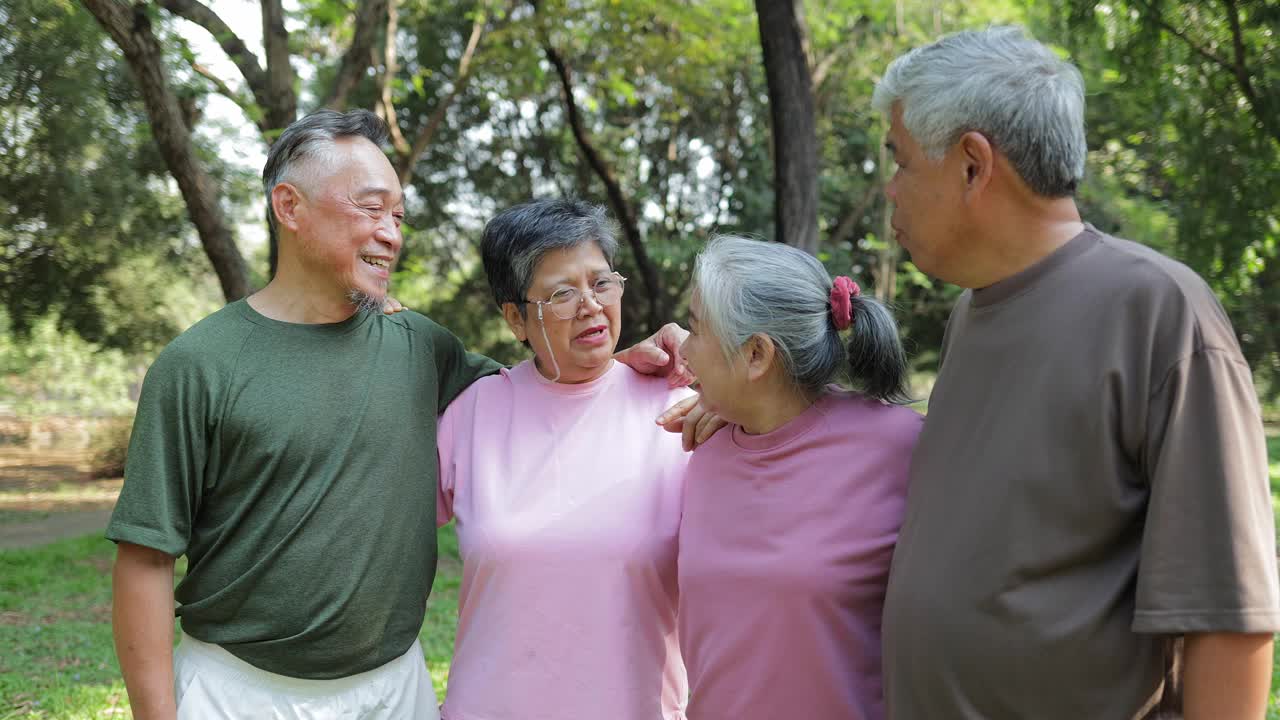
point(111, 448)
point(1187, 151)
point(92, 228)
point(49, 372)
point(673, 98)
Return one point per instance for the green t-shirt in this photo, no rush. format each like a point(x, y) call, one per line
point(295, 466)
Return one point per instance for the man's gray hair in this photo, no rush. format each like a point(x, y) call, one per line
point(1025, 99)
point(753, 286)
point(516, 239)
point(308, 141)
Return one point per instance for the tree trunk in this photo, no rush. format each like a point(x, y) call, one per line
point(784, 41)
point(617, 200)
point(281, 102)
point(130, 28)
point(370, 15)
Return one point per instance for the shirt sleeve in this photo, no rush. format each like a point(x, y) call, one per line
point(1208, 559)
point(166, 458)
point(456, 367)
point(445, 470)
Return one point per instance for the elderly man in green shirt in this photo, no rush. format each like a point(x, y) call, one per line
point(286, 445)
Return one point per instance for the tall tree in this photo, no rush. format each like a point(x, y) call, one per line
point(272, 107)
point(130, 28)
point(92, 232)
point(785, 44)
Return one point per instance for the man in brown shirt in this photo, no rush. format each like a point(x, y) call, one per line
point(1091, 482)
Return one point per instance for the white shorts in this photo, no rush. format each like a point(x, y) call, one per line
point(213, 684)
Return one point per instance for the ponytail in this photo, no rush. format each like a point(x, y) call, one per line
point(877, 361)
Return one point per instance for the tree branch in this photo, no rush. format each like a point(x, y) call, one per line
point(390, 66)
point(130, 28)
point(355, 61)
point(244, 103)
point(1243, 76)
point(280, 102)
point(1155, 16)
point(231, 44)
point(621, 208)
point(849, 222)
point(460, 80)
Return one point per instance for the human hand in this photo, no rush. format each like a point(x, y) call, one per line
point(695, 423)
point(659, 354)
point(391, 306)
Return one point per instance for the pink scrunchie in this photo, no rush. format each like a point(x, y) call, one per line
point(843, 290)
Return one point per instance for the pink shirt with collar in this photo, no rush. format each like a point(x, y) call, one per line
point(567, 501)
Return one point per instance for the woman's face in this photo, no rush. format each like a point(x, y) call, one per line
point(582, 346)
point(721, 382)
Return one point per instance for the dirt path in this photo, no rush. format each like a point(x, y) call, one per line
point(49, 495)
point(57, 526)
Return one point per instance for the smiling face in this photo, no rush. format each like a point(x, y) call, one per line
point(347, 221)
point(582, 346)
point(722, 382)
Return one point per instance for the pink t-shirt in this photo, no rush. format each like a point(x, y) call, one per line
point(784, 558)
point(567, 502)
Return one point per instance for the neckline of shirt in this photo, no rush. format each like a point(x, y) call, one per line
point(529, 369)
point(1025, 280)
point(321, 329)
point(792, 430)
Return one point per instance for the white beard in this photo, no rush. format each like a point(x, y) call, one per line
point(364, 301)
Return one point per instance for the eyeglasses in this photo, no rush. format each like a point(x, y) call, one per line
point(565, 301)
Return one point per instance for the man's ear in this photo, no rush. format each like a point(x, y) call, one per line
point(515, 320)
point(977, 158)
point(286, 201)
point(759, 353)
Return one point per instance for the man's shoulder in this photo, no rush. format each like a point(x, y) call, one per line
point(1142, 269)
point(215, 338)
point(1145, 287)
point(419, 325)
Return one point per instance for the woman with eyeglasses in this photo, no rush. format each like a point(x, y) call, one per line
point(792, 512)
point(565, 492)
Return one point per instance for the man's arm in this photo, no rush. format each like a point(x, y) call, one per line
point(1226, 676)
point(142, 622)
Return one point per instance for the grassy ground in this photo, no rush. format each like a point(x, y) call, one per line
point(55, 627)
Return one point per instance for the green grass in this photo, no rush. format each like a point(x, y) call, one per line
point(57, 660)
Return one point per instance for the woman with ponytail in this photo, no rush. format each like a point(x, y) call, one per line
point(791, 513)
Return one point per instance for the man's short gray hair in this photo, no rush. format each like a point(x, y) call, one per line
point(294, 155)
point(1025, 99)
point(750, 287)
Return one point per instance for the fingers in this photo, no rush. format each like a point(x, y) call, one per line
point(673, 419)
point(709, 425)
point(689, 432)
point(391, 306)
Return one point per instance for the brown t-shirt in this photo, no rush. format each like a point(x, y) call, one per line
point(1091, 480)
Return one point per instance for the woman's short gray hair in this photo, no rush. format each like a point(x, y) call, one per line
point(750, 287)
point(1002, 83)
point(307, 141)
point(516, 239)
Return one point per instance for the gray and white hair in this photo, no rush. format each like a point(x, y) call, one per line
point(750, 287)
point(516, 239)
point(1025, 99)
point(298, 154)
